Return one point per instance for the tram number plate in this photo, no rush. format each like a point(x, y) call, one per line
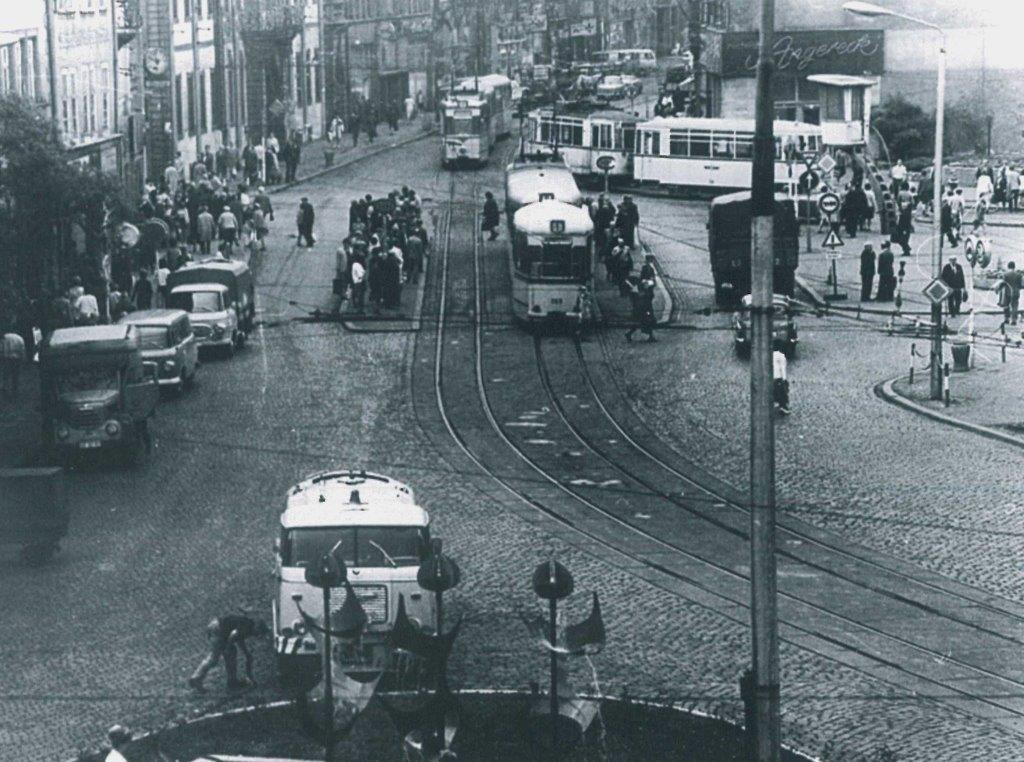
point(556, 300)
point(89, 444)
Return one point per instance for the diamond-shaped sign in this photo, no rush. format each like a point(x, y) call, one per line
point(937, 291)
point(827, 163)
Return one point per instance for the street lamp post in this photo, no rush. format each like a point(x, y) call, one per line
point(871, 10)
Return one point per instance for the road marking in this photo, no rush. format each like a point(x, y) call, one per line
point(527, 424)
point(540, 441)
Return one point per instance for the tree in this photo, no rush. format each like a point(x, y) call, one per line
point(52, 213)
point(910, 132)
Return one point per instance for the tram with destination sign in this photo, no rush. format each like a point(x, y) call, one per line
point(552, 251)
point(477, 112)
point(584, 138)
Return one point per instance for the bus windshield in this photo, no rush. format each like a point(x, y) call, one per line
point(359, 546)
point(555, 260)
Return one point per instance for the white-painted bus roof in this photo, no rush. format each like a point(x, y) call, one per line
point(482, 84)
point(535, 219)
point(351, 498)
point(525, 183)
point(725, 125)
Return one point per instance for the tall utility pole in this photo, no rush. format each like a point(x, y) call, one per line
point(940, 114)
point(432, 55)
point(696, 45)
point(198, 86)
point(302, 70)
point(763, 589)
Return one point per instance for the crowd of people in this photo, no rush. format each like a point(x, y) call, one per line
point(385, 248)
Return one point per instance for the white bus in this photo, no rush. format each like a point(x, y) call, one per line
point(685, 152)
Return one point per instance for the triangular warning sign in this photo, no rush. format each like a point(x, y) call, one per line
point(832, 240)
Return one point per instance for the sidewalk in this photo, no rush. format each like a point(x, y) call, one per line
point(312, 163)
point(988, 400)
point(20, 439)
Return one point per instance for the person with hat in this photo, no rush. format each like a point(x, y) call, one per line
point(491, 216)
point(119, 737)
point(226, 635)
point(953, 276)
point(886, 274)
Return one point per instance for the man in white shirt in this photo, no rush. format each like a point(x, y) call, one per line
point(984, 187)
point(1013, 187)
point(227, 223)
point(899, 176)
point(87, 310)
point(358, 286)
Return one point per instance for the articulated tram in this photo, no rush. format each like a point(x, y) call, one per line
point(552, 250)
point(674, 153)
point(477, 112)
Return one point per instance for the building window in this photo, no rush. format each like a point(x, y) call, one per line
point(5, 69)
point(190, 98)
point(176, 10)
point(310, 78)
point(206, 99)
point(71, 93)
point(92, 80)
point(105, 96)
point(28, 69)
point(182, 105)
point(834, 104)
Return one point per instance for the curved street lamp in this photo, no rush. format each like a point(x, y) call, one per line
point(870, 10)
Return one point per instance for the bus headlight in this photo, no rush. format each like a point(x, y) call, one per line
point(168, 366)
point(218, 330)
point(113, 428)
point(63, 432)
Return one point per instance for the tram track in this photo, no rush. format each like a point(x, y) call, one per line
point(583, 518)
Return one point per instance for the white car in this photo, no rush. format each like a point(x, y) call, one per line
point(615, 86)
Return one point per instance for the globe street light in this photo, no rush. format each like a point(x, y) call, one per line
point(870, 10)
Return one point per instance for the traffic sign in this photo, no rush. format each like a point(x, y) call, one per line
point(809, 180)
point(937, 291)
point(606, 163)
point(827, 163)
point(832, 240)
point(828, 203)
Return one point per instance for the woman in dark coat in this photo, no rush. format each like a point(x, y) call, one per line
point(492, 216)
point(392, 277)
point(375, 273)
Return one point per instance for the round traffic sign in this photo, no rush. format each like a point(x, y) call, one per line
point(828, 203)
point(809, 180)
point(606, 163)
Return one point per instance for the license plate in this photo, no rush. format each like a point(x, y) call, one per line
point(556, 301)
point(92, 444)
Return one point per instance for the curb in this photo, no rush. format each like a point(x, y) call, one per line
point(884, 390)
point(353, 160)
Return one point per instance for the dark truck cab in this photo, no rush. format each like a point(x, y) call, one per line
point(97, 392)
point(729, 243)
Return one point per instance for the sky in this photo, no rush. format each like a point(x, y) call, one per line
point(20, 14)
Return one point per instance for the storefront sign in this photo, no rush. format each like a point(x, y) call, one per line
point(808, 52)
point(586, 28)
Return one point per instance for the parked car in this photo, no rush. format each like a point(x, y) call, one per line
point(219, 295)
point(167, 339)
point(616, 86)
point(96, 390)
point(784, 335)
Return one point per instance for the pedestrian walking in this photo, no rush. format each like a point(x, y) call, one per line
point(1013, 185)
point(415, 250)
point(871, 207)
point(1013, 279)
point(491, 216)
point(354, 124)
point(867, 272)
point(226, 635)
point(904, 227)
point(12, 357)
point(898, 173)
point(119, 737)
point(947, 228)
point(227, 224)
point(980, 211)
point(304, 220)
point(984, 187)
point(886, 274)
point(641, 294)
point(953, 276)
point(206, 227)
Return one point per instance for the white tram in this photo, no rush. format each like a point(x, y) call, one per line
point(583, 139)
point(685, 152)
point(552, 252)
point(477, 112)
